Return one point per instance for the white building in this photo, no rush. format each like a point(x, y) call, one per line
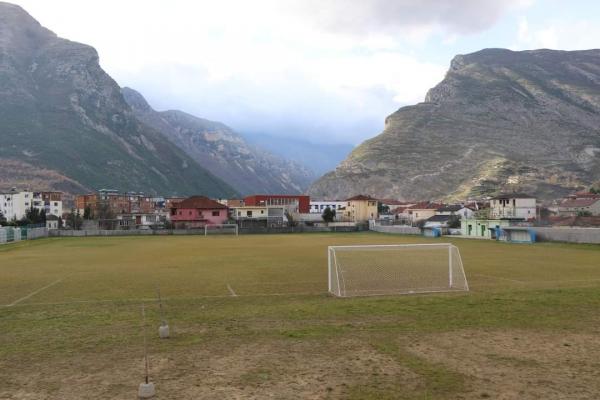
point(513, 205)
point(317, 207)
point(455, 209)
point(14, 204)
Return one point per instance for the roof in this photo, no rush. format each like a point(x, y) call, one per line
point(392, 202)
point(360, 197)
point(199, 202)
point(515, 195)
point(578, 202)
point(425, 205)
point(439, 218)
point(451, 208)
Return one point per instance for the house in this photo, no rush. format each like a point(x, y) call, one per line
point(52, 222)
point(513, 205)
point(361, 208)
point(422, 211)
point(317, 207)
point(14, 204)
point(581, 203)
point(438, 221)
point(455, 209)
point(259, 216)
point(292, 203)
point(436, 225)
point(140, 220)
point(392, 204)
point(197, 212)
point(484, 228)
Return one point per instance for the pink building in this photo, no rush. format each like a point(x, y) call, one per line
point(198, 211)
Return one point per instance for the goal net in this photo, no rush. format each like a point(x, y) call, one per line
point(395, 269)
point(221, 229)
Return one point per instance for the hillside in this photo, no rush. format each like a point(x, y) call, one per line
point(499, 120)
point(222, 151)
point(65, 124)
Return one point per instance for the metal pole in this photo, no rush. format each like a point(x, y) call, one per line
point(145, 345)
point(450, 266)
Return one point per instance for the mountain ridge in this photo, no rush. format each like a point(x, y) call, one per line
point(222, 151)
point(62, 113)
point(499, 120)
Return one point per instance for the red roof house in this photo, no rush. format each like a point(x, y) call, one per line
point(197, 212)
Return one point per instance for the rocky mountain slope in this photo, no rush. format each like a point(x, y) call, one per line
point(222, 151)
point(500, 120)
point(64, 122)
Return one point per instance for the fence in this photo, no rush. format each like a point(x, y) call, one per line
point(163, 232)
point(398, 229)
point(568, 234)
point(9, 234)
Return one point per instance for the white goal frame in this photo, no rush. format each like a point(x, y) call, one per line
point(207, 228)
point(337, 284)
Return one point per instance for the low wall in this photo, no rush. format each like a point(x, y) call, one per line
point(398, 229)
point(159, 232)
point(567, 234)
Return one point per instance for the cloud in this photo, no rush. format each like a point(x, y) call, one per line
point(414, 18)
point(563, 34)
point(328, 69)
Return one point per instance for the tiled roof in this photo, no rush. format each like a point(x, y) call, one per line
point(425, 205)
point(199, 202)
point(512, 196)
point(578, 202)
point(360, 197)
point(451, 208)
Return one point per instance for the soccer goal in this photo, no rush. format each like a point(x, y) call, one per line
point(395, 269)
point(221, 229)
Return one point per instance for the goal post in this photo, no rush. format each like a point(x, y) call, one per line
point(369, 270)
point(221, 229)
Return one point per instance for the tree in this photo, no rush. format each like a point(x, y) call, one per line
point(382, 208)
point(328, 215)
point(584, 214)
point(103, 211)
point(2, 219)
point(74, 219)
point(87, 213)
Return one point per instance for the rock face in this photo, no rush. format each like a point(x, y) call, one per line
point(222, 151)
point(60, 113)
point(500, 120)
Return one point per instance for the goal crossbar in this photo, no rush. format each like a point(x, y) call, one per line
point(366, 270)
point(221, 229)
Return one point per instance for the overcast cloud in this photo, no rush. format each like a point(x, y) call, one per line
point(324, 70)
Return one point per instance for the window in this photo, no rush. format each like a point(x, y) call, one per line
point(216, 213)
point(262, 211)
point(248, 213)
point(239, 213)
point(179, 212)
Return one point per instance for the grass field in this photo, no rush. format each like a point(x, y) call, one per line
point(251, 319)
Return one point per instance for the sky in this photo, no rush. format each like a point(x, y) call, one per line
point(325, 71)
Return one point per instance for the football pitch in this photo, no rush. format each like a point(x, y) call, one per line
point(250, 318)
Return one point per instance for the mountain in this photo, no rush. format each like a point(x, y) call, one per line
point(64, 124)
point(222, 151)
point(499, 120)
point(319, 157)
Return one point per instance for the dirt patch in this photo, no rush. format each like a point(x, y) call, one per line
point(285, 369)
point(519, 365)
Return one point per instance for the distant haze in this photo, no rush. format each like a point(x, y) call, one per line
point(325, 71)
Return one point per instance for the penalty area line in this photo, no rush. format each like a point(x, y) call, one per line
point(499, 277)
point(233, 294)
point(14, 303)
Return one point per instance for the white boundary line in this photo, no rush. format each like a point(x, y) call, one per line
point(501, 278)
point(136, 300)
point(14, 303)
point(233, 294)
